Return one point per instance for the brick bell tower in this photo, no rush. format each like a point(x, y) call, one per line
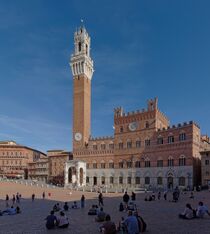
point(82, 70)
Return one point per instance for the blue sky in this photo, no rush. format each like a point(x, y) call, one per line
point(141, 49)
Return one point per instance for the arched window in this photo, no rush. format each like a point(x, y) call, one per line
point(137, 180)
point(137, 164)
point(147, 162)
point(103, 180)
point(79, 46)
point(121, 164)
point(111, 164)
point(129, 180)
point(138, 143)
point(111, 180)
point(94, 164)
point(182, 181)
point(170, 139)
point(170, 162)
point(147, 124)
point(120, 180)
point(160, 162)
point(159, 180)
point(103, 165)
point(87, 179)
point(160, 140)
point(120, 145)
point(147, 180)
point(86, 47)
point(129, 144)
point(121, 129)
point(95, 147)
point(182, 136)
point(182, 161)
point(129, 164)
point(111, 145)
point(147, 142)
point(103, 146)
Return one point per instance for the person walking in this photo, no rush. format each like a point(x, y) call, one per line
point(33, 197)
point(100, 199)
point(165, 195)
point(126, 199)
point(17, 198)
point(7, 200)
point(13, 199)
point(43, 195)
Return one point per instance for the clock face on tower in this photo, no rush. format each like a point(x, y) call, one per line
point(78, 136)
point(133, 126)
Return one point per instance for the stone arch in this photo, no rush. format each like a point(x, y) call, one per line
point(71, 175)
point(147, 174)
point(170, 179)
point(159, 174)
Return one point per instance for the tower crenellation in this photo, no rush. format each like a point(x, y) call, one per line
point(81, 62)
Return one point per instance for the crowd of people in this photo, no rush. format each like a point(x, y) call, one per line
point(131, 221)
point(58, 215)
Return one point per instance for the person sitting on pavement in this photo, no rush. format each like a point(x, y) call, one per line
point(56, 207)
point(10, 211)
point(121, 207)
point(133, 196)
point(148, 198)
point(101, 215)
point(131, 223)
point(75, 206)
point(51, 220)
point(131, 206)
point(93, 210)
point(62, 220)
point(188, 212)
point(201, 210)
point(108, 227)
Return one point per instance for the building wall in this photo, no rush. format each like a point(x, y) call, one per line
point(98, 157)
point(205, 167)
point(39, 170)
point(144, 144)
point(57, 160)
point(14, 159)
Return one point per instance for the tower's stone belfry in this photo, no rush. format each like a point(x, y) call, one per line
point(82, 70)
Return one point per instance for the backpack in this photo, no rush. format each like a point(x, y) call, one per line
point(141, 223)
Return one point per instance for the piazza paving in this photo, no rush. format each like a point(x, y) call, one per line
point(160, 216)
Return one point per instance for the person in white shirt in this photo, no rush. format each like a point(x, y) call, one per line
point(187, 213)
point(201, 210)
point(62, 220)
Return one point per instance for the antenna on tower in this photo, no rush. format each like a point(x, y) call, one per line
point(82, 22)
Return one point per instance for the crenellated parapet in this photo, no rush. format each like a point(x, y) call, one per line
point(179, 125)
point(101, 138)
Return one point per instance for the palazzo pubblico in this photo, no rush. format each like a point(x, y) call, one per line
point(145, 151)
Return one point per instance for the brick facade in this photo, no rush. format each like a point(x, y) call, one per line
point(145, 150)
point(14, 159)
